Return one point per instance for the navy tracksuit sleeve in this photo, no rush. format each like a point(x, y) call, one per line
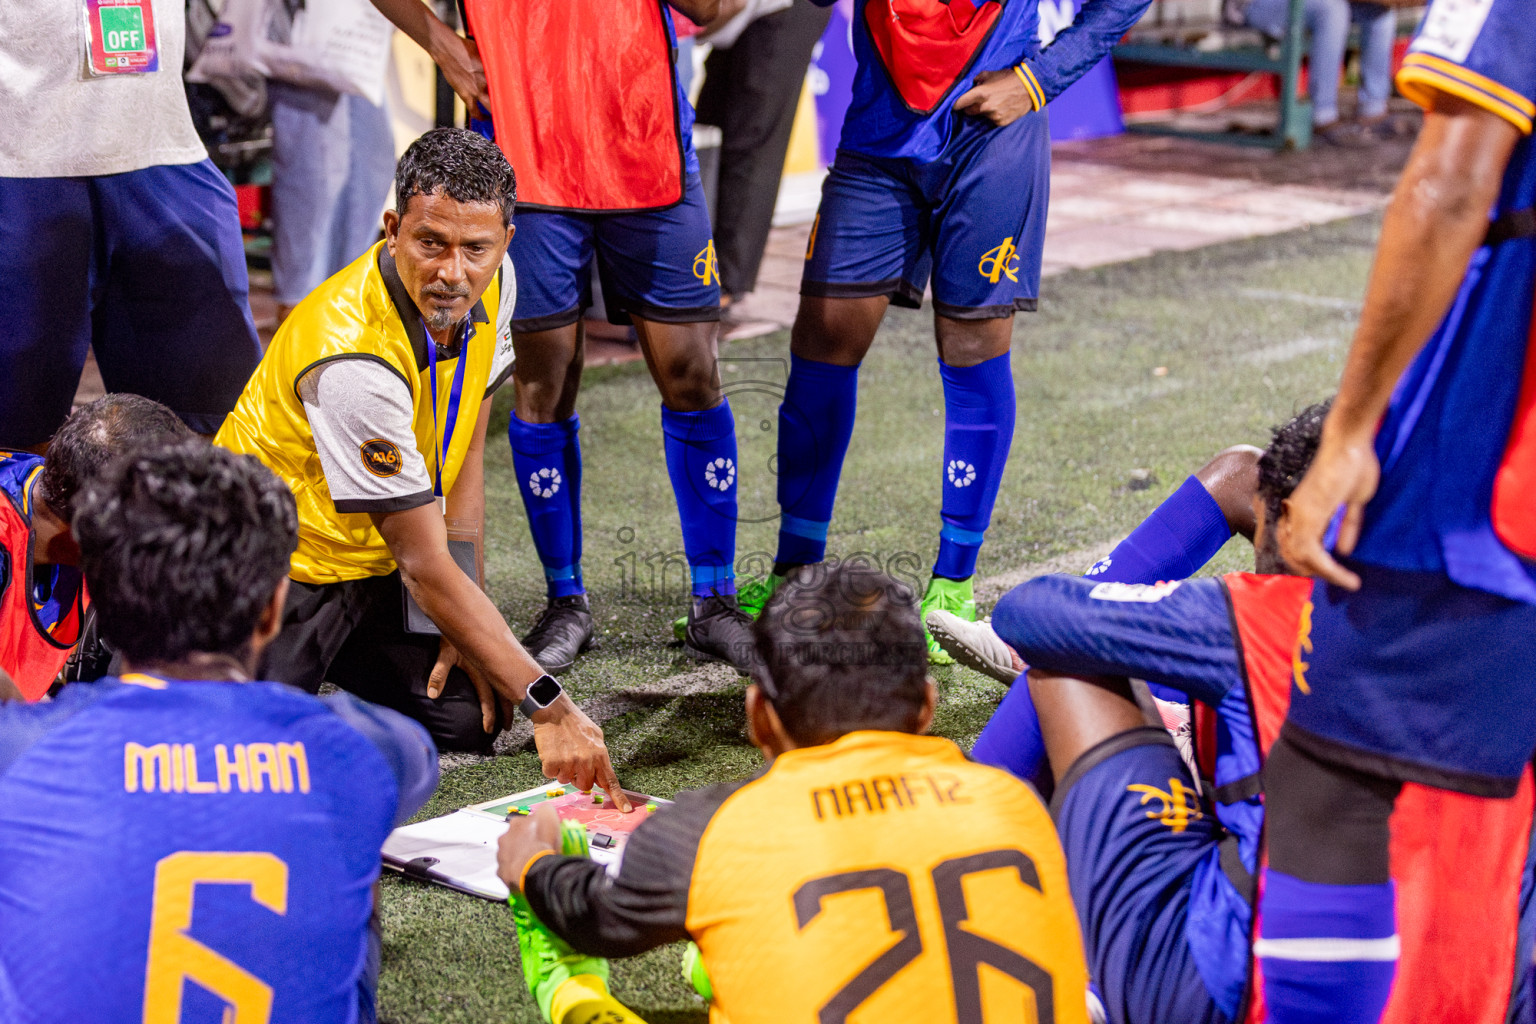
point(1178, 635)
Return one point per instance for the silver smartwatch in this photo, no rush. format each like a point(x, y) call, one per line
point(542, 692)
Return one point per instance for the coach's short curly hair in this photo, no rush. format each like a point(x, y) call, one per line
point(461, 164)
point(1288, 457)
point(182, 546)
point(841, 649)
point(93, 436)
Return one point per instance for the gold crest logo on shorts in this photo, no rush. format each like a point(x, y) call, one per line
point(381, 457)
point(1176, 808)
point(1000, 262)
point(705, 267)
point(1303, 646)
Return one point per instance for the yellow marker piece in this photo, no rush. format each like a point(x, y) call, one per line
point(553, 791)
point(650, 807)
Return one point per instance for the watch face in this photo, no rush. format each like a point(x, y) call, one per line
point(544, 691)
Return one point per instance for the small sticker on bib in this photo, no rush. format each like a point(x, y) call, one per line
point(120, 37)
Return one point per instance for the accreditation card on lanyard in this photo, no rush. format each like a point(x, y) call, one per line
point(442, 436)
point(120, 37)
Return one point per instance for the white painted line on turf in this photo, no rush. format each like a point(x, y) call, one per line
point(1287, 350)
point(1302, 298)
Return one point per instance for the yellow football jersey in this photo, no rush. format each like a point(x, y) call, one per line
point(358, 314)
point(880, 879)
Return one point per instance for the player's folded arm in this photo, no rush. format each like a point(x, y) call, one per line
point(1178, 635)
point(645, 904)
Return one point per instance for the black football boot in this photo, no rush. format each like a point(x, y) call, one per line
point(718, 630)
point(563, 631)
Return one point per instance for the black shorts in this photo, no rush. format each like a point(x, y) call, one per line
point(353, 634)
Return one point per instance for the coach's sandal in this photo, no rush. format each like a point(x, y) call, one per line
point(563, 631)
point(751, 597)
point(973, 644)
point(953, 596)
point(718, 630)
point(569, 987)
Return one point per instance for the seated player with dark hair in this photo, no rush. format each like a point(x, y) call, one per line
point(42, 604)
point(867, 870)
point(209, 839)
point(1162, 865)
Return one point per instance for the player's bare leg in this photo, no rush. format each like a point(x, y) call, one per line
point(1077, 713)
point(546, 381)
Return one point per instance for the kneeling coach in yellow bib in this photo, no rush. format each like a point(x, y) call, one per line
point(372, 404)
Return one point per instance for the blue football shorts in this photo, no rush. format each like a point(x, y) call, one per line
point(1139, 842)
point(658, 265)
point(973, 220)
point(1416, 678)
point(146, 267)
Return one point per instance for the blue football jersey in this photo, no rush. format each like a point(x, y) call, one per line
point(1448, 429)
point(171, 851)
point(54, 587)
point(909, 78)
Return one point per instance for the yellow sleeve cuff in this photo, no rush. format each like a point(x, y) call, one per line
point(1031, 85)
point(1423, 75)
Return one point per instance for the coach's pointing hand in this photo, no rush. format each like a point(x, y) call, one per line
point(571, 749)
point(1001, 97)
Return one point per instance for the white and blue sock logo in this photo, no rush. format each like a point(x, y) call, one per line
point(544, 483)
point(961, 473)
point(720, 473)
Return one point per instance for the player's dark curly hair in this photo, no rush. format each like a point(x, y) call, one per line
point(1289, 454)
point(93, 436)
point(840, 649)
point(182, 546)
point(464, 165)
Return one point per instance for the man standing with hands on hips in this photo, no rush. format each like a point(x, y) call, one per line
point(372, 404)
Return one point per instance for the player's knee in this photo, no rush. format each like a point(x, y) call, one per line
point(457, 725)
point(964, 343)
point(1029, 616)
point(1326, 823)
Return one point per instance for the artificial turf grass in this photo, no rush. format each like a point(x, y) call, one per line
point(1092, 411)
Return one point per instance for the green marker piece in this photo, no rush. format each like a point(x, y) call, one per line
point(650, 808)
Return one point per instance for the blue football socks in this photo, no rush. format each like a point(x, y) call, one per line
point(815, 424)
point(547, 460)
point(1180, 536)
point(1012, 741)
point(701, 460)
point(1329, 952)
point(978, 431)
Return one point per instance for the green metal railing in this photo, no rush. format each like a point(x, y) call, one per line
point(1294, 127)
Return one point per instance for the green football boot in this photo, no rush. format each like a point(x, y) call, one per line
point(570, 987)
point(695, 974)
point(954, 596)
point(751, 598)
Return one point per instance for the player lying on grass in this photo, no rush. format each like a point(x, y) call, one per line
point(42, 604)
point(181, 841)
point(867, 870)
point(1162, 866)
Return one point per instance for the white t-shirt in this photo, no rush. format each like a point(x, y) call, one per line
point(57, 121)
point(350, 402)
